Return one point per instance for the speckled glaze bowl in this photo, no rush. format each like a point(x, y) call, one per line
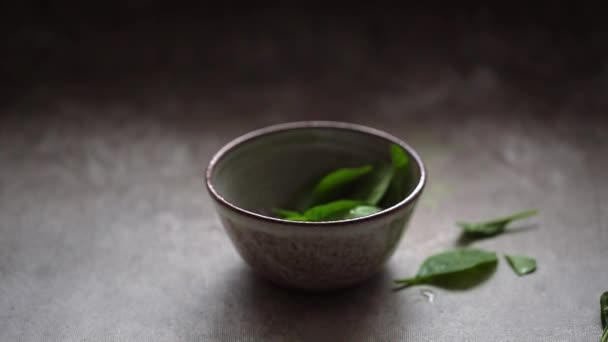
point(268, 167)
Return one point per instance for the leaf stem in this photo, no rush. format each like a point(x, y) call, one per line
point(516, 216)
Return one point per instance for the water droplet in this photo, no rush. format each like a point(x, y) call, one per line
point(428, 295)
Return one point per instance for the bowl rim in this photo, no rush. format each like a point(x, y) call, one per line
point(297, 125)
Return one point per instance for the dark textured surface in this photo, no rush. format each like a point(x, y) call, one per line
point(107, 233)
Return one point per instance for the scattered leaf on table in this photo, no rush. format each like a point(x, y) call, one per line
point(361, 211)
point(450, 262)
point(494, 227)
point(331, 211)
point(520, 264)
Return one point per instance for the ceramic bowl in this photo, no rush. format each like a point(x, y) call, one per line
point(268, 167)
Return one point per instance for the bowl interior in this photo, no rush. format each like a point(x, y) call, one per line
point(273, 169)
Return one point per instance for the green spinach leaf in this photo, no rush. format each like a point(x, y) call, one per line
point(331, 211)
point(335, 181)
point(333, 186)
point(520, 264)
point(493, 227)
point(361, 211)
point(371, 187)
point(374, 186)
point(452, 262)
point(604, 337)
point(289, 214)
point(399, 156)
point(400, 181)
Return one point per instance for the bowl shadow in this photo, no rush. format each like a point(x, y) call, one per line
point(270, 312)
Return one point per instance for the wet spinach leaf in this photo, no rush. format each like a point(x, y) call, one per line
point(453, 262)
point(495, 226)
point(521, 264)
